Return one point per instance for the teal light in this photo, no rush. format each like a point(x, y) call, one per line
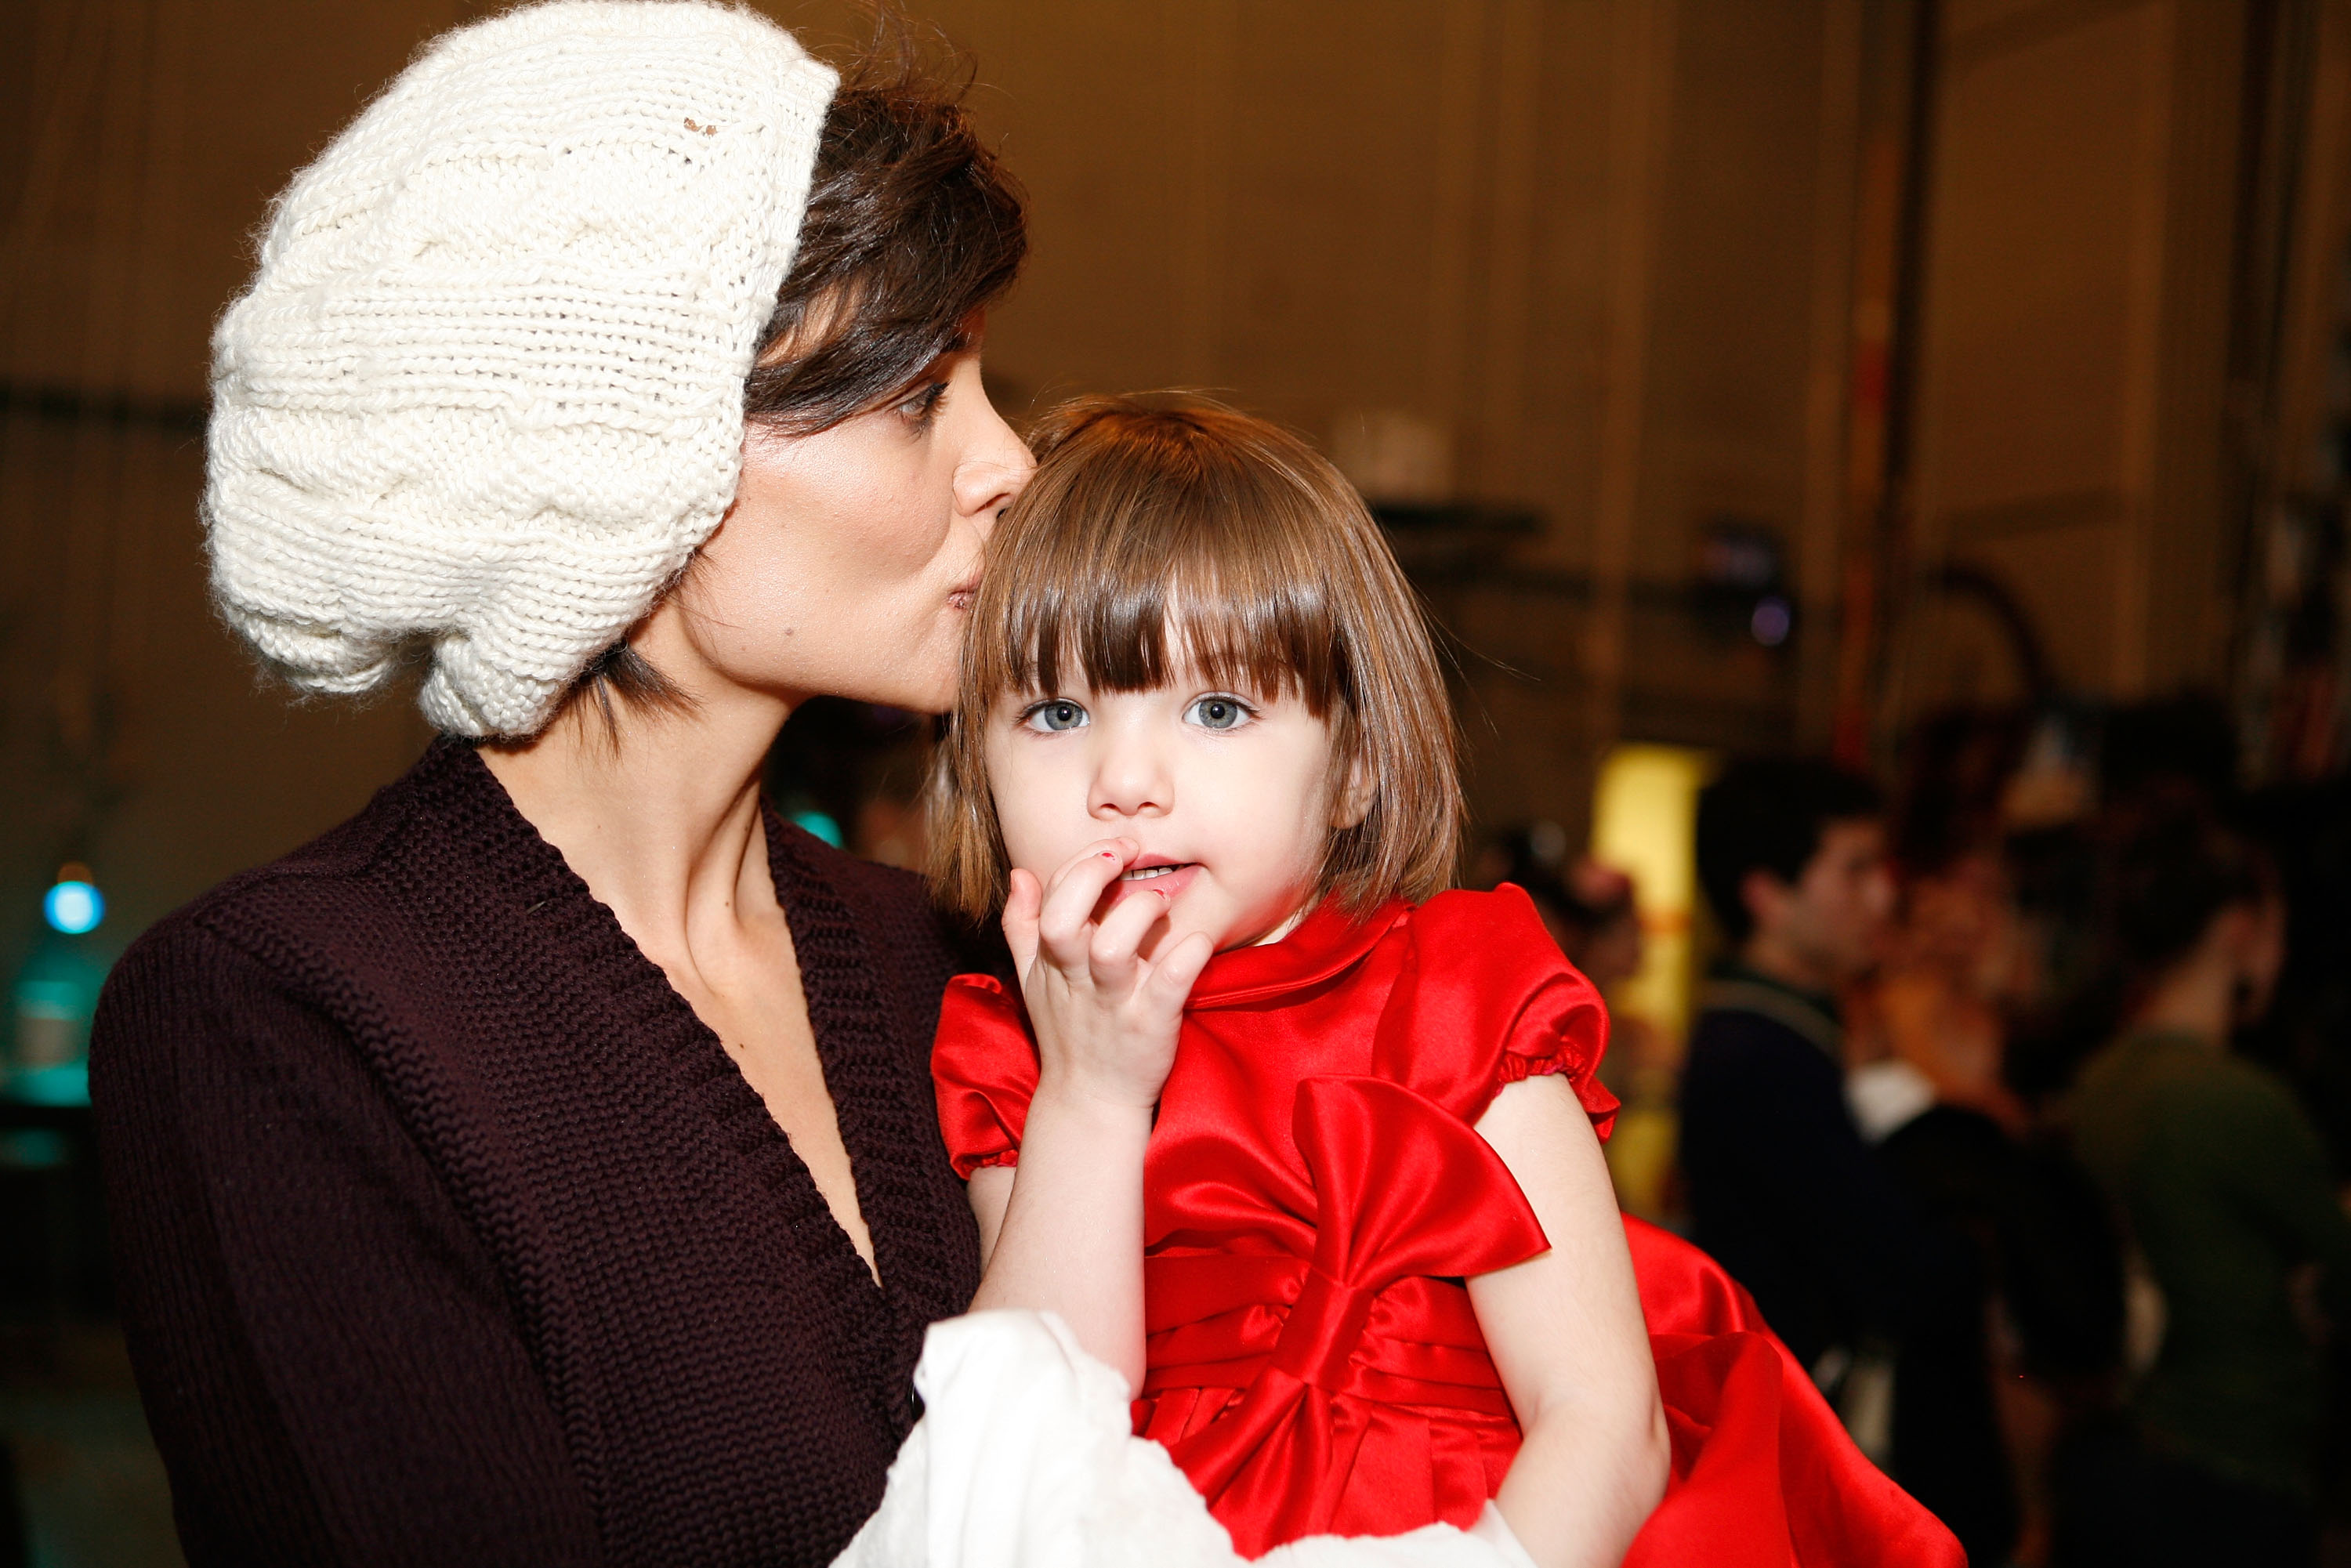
point(67, 1084)
point(74, 908)
point(44, 1048)
point(820, 825)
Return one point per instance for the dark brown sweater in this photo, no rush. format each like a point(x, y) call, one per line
point(449, 1235)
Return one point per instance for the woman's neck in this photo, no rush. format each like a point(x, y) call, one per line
point(659, 817)
point(2197, 997)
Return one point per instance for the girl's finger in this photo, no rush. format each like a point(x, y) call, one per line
point(1021, 904)
point(1121, 932)
point(1070, 900)
point(1174, 972)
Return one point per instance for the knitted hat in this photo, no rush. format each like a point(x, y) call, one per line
point(483, 398)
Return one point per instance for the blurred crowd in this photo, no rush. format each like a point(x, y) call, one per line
point(2020, 1098)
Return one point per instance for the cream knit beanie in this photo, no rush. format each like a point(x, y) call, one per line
point(484, 396)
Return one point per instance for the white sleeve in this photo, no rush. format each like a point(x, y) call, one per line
point(1023, 1458)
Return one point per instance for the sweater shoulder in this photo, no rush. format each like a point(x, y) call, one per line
point(1733, 1038)
point(2177, 1079)
point(2223, 1096)
point(282, 898)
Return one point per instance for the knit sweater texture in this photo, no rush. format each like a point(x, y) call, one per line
point(447, 1232)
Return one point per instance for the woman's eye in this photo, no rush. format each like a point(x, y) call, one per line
point(1221, 713)
point(1053, 716)
point(924, 406)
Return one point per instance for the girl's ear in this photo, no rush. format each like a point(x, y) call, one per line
point(1355, 799)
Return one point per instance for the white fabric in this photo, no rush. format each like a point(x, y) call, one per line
point(1495, 1532)
point(1885, 1096)
point(1023, 1460)
point(483, 398)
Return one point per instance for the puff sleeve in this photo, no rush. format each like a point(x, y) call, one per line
point(984, 1068)
point(1485, 999)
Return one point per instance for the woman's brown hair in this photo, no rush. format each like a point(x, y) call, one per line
point(1170, 533)
point(912, 228)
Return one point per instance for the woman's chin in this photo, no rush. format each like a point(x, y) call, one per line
point(912, 693)
point(921, 685)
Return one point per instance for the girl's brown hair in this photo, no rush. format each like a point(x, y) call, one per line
point(1168, 531)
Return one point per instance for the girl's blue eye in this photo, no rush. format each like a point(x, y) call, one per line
point(1054, 715)
point(1219, 712)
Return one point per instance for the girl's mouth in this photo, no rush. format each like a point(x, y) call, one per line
point(1169, 878)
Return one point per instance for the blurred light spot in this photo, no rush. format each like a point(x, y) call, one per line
point(73, 907)
point(1771, 621)
point(1645, 822)
point(34, 1149)
point(818, 824)
point(67, 1084)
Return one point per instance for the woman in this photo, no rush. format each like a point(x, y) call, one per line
point(2223, 1187)
point(541, 1168)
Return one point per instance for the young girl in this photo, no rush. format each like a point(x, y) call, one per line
point(1304, 1146)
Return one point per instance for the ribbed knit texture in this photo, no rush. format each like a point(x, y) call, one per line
point(483, 396)
point(447, 1233)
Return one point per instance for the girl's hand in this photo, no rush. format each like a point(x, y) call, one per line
point(1106, 1017)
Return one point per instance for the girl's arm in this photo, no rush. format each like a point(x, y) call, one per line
point(1567, 1336)
point(1062, 1230)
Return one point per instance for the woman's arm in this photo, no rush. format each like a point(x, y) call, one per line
point(1566, 1333)
point(327, 1357)
point(1062, 1230)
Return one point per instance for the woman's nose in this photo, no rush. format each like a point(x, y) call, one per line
point(989, 479)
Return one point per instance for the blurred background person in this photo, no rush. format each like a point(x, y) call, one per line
point(1588, 908)
point(1592, 912)
point(1783, 1190)
point(2230, 1209)
point(2015, 1332)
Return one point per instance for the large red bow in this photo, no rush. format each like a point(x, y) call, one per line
point(1409, 1198)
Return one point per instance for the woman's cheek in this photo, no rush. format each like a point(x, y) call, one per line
point(900, 524)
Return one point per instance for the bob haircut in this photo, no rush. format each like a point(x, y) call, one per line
point(1170, 532)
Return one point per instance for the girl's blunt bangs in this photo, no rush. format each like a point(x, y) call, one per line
point(1209, 571)
point(1223, 545)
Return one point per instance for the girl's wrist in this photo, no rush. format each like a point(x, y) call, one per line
point(1087, 1109)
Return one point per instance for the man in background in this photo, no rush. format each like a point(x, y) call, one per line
point(1783, 1190)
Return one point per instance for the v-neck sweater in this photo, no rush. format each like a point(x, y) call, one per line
point(447, 1232)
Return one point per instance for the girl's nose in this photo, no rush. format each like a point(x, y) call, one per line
point(1131, 779)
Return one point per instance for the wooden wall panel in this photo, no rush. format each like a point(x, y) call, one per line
point(2070, 417)
point(2047, 195)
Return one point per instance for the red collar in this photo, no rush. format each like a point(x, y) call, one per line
point(1325, 943)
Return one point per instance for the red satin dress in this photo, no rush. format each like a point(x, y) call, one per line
point(1315, 1194)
